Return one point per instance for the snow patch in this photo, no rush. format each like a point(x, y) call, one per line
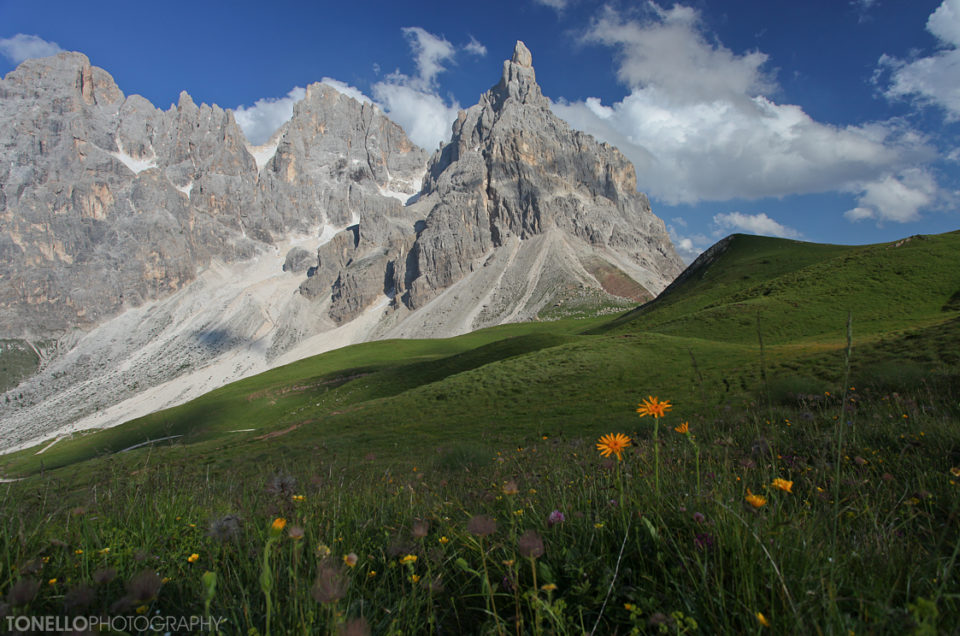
point(262, 154)
point(136, 165)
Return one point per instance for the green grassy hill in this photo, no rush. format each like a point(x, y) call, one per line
point(698, 343)
point(804, 481)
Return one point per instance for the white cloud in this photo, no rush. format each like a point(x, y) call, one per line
point(430, 52)
point(425, 116)
point(687, 247)
point(414, 102)
point(897, 198)
point(22, 46)
point(698, 124)
point(935, 79)
point(754, 224)
point(260, 121)
point(559, 5)
point(474, 47)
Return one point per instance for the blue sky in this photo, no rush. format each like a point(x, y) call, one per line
point(826, 120)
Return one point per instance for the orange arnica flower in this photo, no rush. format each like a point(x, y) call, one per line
point(683, 429)
point(756, 501)
point(783, 484)
point(654, 407)
point(278, 525)
point(762, 619)
point(613, 445)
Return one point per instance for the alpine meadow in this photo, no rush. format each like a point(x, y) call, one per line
point(267, 373)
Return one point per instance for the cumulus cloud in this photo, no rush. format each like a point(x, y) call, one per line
point(897, 198)
point(22, 46)
point(415, 102)
point(425, 116)
point(260, 121)
point(699, 125)
point(754, 224)
point(932, 80)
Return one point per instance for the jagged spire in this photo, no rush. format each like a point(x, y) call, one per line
point(521, 55)
point(519, 79)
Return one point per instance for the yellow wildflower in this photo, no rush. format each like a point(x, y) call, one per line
point(350, 559)
point(414, 578)
point(756, 501)
point(52, 582)
point(683, 429)
point(763, 619)
point(371, 574)
point(955, 471)
point(278, 524)
point(653, 407)
point(410, 558)
point(143, 609)
point(549, 587)
point(323, 551)
point(193, 558)
point(613, 445)
point(783, 484)
point(443, 540)
point(78, 551)
point(298, 497)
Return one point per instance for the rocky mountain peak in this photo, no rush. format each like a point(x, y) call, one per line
point(521, 55)
point(519, 81)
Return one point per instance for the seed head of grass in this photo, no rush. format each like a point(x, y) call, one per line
point(295, 532)
point(144, 586)
point(79, 597)
point(283, 485)
point(355, 627)
point(420, 528)
point(530, 545)
point(104, 576)
point(331, 584)
point(23, 591)
point(481, 525)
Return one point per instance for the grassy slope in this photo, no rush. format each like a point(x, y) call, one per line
point(697, 344)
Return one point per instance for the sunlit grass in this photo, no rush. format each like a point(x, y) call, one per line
point(538, 537)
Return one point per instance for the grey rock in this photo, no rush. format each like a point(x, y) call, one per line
point(512, 168)
point(107, 202)
point(299, 261)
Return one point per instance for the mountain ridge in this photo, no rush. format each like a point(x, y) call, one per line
point(338, 230)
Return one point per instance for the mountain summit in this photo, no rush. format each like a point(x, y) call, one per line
point(166, 256)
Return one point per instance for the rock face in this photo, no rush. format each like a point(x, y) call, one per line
point(107, 202)
point(169, 256)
